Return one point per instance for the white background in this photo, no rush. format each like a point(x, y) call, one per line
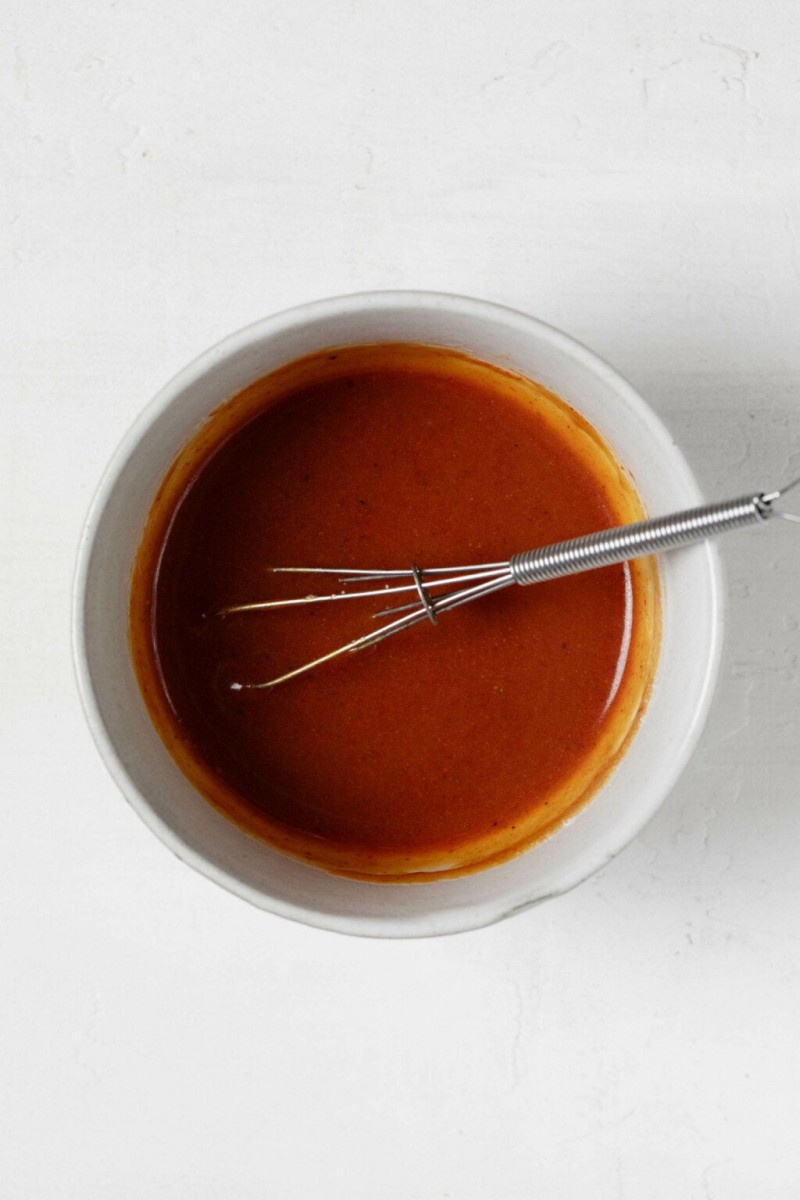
point(173, 171)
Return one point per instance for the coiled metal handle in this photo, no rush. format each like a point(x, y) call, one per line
point(633, 541)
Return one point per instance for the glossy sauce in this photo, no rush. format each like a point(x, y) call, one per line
point(440, 750)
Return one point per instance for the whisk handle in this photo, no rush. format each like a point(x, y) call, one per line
point(633, 541)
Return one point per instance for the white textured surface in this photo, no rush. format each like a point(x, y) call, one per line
point(628, 171)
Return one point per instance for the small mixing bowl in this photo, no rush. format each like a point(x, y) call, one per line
point(201, 836)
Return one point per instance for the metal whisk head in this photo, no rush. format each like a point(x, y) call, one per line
point(479, 580)
point(439, 589)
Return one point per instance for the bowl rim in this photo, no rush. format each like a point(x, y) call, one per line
point(462, 919)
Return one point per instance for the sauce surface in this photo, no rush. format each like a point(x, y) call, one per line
point(439, 750)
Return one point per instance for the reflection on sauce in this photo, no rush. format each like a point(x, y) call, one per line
point(440, 750)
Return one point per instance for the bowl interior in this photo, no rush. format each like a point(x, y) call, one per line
point(202, 837)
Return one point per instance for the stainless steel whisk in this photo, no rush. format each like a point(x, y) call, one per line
point(586, 553)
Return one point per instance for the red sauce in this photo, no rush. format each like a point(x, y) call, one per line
point(440, 750)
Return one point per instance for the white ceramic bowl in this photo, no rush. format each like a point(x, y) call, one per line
point(196, 832)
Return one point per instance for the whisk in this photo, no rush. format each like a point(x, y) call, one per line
point(432, 587)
